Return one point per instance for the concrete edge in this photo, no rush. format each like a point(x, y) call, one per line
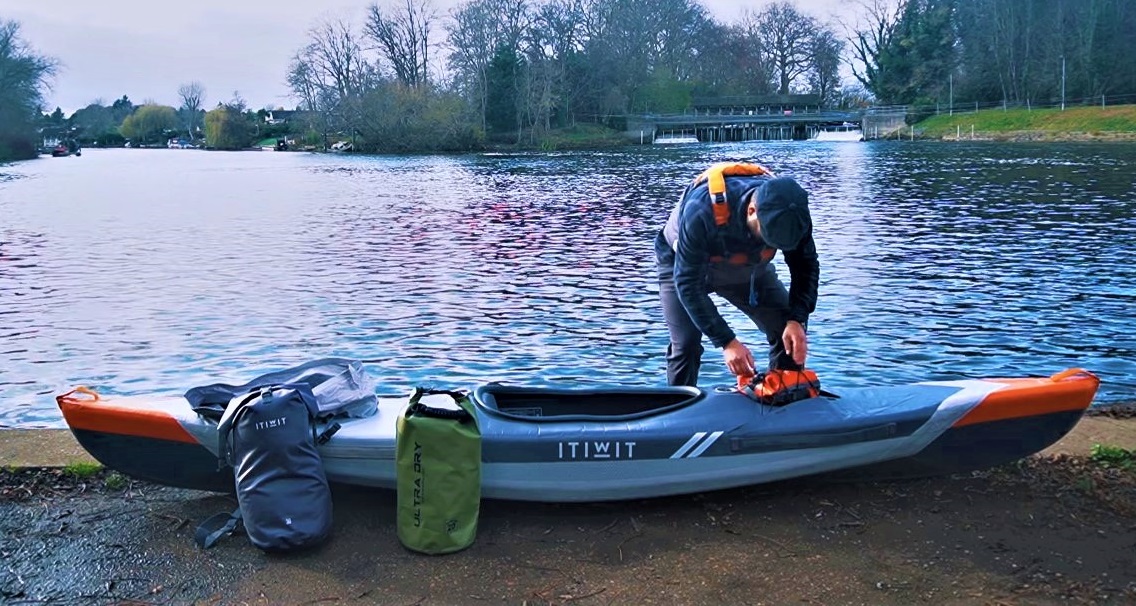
point(40, 448)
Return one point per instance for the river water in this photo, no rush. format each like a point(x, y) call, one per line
point(138, 271)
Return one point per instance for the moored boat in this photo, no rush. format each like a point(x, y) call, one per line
point(69, 147)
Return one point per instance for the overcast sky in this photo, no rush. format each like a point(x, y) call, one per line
point(146, 49)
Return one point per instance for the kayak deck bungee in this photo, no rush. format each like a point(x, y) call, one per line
point(597, 444)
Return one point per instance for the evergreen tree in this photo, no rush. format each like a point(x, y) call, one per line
point(502, 79)
point(917, 58)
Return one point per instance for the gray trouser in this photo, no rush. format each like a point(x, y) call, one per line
point(684, 354)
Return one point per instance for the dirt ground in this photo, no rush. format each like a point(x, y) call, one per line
point(1054, 529)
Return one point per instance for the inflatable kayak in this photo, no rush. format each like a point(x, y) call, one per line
point(559, 445)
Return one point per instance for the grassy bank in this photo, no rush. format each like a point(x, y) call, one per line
point(1074, 123)
point(581, 136)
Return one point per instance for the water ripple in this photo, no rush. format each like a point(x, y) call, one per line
point(136, 271)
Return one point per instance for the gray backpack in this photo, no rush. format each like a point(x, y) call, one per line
point(269, 438)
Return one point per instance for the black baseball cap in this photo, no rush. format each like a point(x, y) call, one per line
point(783, 212)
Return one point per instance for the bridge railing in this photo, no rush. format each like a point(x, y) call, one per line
point(829, 116)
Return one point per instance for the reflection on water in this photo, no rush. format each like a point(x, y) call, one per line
point(137, 271)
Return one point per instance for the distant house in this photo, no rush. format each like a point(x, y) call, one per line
point(278, 116)
point(51, 136)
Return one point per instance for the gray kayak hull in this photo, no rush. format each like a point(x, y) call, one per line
point(566, 445)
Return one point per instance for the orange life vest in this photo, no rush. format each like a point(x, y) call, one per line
point(716, 175)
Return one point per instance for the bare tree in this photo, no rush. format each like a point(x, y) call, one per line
point(237, 103)
point(872, 38)
point(335, 59)
point(315, 97)
point(536, 99)
point(303, 81)
point(192, 95)
point(331, 74)
point(643, 55)
point(481, 28)
point(555, 38)
point(24, 76)
point(192, 99)
point(403, 37)
point(824, 71)
point(786, 36)
point(731, 62)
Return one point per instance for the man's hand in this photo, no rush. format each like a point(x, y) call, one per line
point(796, 342)
point(738, 359)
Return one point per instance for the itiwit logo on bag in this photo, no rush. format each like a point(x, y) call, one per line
point(270, 424)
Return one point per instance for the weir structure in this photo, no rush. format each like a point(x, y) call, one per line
point(761, 118)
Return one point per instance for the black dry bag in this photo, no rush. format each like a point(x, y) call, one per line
point(268, 436)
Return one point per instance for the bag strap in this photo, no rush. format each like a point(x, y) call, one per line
point(307, 396)
point(418, 408)
point(211, 531)
point(225, 427)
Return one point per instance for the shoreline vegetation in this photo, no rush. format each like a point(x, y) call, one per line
point(1073, 124)
point(1019, 125)
point(1015, 125)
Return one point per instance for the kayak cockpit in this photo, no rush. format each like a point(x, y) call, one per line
point(536, 404)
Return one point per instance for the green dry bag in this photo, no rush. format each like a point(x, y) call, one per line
point(438, 454)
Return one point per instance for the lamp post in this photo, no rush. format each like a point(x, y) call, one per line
point(1062, 82)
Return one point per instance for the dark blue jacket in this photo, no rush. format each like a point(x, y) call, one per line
point(697, 254)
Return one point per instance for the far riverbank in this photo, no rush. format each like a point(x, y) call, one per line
point(1100, 124)
point(1117, 123)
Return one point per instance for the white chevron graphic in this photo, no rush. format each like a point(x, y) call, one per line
point(695, 439)
point(689, 444)
point(705, 444)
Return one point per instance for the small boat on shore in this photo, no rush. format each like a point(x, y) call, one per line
point(601, 444)
point(280, 144)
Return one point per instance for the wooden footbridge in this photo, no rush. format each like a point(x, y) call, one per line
point(766, 118)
